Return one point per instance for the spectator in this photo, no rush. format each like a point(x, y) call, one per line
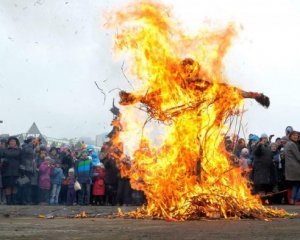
point(66, 160)
point(83, 173)
point(27, 163)
point(263, 168)
point(67, 163)
point(57, 177)
point(95, 159)
point(23, 183)
point(245, 162)
point(34, 183)
point(124, 190)
point(11, 160)
point(111, 179)
point(71, 194)
point(241, 144)
point(288, 130)
point(99, 185)
point(53, 154)
point(2, 147)
point(44, 181)
point(292, 165)
point(41, 155)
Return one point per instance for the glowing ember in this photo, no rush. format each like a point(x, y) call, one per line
point(189, 175)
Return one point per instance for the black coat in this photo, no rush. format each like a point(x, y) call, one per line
point(67, 162)
point(27, 157)
point(11, 162)
point(263, 166)
point(111, 171)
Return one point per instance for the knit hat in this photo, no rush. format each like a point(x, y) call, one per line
point(83, 151)
point(71, 170)
point(244, 152)
point(13, 138)
point(289, 129)
point(285, 139)
point(264, 135)
point(99, 165)
point(254, 138)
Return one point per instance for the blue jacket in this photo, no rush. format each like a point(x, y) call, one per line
point(84, 171)
point(95, 159)
point(57, 176)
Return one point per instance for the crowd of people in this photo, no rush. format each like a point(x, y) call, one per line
point(272, 167)
point(34, 174)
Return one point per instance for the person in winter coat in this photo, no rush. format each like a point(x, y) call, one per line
point(95, 159)
point(2, 147)
point(67, 163)
point(241, 144)
point(83, 174)
point(57, 177)
point(245, 162)
point(292, 165)
point(44, 181)
point(27, 163)
point(34, 183)
point(111, 179)
point(71, 194)
point(11, 161)
point(53, 154)
point(99, 185)
point(40, 155)
point(263, 167)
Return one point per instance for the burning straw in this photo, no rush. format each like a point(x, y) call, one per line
point(189, 175)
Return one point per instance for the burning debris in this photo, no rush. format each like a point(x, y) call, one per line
point(189, 176)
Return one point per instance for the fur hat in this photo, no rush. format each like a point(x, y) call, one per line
point(13, 138)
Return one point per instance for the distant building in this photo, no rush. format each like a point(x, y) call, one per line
point(100, 139)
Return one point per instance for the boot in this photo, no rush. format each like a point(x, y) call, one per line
point(8, 199)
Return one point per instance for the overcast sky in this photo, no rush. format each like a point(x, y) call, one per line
point(52, 52)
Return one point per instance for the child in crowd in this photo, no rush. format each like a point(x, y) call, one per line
point(245, 162)
point(99, 185)
point(57, 177)
point(83, 173)
point(71, 195)
point(44, 181)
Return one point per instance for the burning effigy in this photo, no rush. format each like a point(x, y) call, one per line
point(180, 84)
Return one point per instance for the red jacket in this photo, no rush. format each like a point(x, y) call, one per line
point(99, 186)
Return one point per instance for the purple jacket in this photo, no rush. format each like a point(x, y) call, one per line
point(71, 182)
point(44, 176)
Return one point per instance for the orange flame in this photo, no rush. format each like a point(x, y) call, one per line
point(189, 175)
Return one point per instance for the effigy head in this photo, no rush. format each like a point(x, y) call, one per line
point(189, 69)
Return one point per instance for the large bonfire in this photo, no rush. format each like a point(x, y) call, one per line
point(180, 84)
